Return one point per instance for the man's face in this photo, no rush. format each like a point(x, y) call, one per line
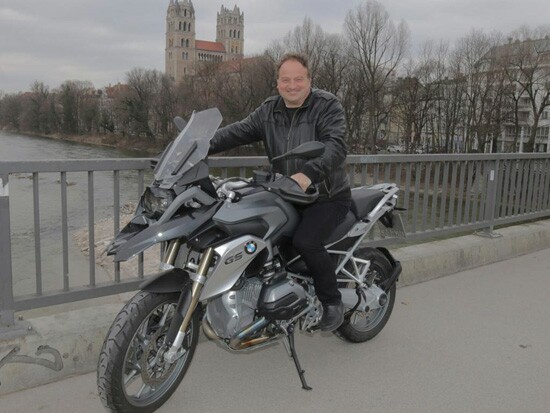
point(293, 83)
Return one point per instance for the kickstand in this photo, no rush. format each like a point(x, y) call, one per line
point(289, 340)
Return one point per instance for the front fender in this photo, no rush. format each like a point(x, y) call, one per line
point(170, 281)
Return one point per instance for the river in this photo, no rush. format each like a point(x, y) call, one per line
point(14, 147)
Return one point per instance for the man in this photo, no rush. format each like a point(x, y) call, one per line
point(300, 114)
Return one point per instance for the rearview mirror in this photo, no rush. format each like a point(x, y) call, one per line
point(311, 149)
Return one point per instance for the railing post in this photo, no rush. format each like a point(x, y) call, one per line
point(8, 327)
point(492, 185)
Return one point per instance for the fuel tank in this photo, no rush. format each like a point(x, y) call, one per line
point(258, 212)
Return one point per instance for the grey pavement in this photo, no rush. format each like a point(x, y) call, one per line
point(475, 341)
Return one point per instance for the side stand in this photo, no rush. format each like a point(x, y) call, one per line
point(289, 341)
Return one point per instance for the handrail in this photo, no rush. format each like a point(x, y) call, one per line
point(443, 194)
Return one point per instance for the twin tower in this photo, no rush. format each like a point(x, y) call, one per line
point(184, 51)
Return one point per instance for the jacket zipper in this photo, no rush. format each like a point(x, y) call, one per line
point(288, 139)
point(327, 187)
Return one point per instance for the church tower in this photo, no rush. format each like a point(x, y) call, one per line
point(184, 53)
point(180, 39)
point(230, 32)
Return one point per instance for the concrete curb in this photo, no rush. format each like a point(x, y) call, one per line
point(436, 259)
point(68, 342)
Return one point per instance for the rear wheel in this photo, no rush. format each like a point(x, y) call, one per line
point(363, 326)
point(132, 374)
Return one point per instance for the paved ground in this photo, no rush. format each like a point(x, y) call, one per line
point(476, 341)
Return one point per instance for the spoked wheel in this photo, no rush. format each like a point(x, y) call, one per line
point(132, 374)
point(363, 326)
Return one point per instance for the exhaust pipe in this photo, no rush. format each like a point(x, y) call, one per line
point(241, 340)
point(208, 330)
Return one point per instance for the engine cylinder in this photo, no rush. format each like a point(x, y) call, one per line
point(281, 299)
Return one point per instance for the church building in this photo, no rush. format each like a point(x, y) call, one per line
point(184, 51)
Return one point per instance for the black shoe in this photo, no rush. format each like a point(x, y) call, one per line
point(333, 316)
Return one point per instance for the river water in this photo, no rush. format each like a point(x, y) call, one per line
point(15, 147)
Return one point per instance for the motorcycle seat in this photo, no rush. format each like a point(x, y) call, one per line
point(342, 229)
point(364, 199)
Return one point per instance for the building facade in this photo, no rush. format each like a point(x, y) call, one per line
point(528, 65)
point(184, 52)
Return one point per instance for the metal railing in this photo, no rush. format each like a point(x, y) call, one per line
point(441, 194)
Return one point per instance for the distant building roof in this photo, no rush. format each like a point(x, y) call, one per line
point(233, 66)
point(538, 46)
point(209, 46)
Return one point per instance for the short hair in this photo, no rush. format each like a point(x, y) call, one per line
point(298, 57)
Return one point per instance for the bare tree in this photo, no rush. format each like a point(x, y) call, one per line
point(71, 97)
point(528, 70)
point(236, 88)
point(308, 39)
point(143, 87)
point(164, 106)
point(332, 65)
point(11, 110)
point(417, 93)
point(484, 83)
point(35, 116)
point(377, 47)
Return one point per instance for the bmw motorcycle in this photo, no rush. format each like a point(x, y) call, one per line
point(228, 266)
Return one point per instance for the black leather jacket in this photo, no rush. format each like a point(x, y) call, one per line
point(320, 118)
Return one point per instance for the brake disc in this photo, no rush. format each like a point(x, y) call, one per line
point(154, 368)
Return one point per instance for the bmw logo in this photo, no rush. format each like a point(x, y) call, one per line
point(250, 247)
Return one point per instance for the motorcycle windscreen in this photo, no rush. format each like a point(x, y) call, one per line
point(189, 148)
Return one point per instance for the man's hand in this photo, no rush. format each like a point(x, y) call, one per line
point(302, 180)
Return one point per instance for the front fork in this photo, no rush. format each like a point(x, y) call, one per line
point(186, 305)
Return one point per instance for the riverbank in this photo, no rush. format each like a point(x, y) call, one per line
point(141, 146)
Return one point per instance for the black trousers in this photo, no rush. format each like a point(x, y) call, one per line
point(319, 220)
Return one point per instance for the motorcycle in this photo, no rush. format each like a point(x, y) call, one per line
point(228, 266)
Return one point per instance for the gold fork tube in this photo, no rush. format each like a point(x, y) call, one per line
point(198, 281)
point(205, 262)
point(197, 286)
point(172, 251)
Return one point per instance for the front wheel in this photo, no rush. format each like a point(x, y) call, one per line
point(363, 326)
point(132, 375)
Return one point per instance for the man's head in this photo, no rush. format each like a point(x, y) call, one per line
point(293, 79)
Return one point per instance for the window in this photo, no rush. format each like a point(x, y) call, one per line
point(182, 43)
point(187, 43)
point(544, 115)
point(510, 132)
point(189, 27)
point(184, 26)
point(542, 132)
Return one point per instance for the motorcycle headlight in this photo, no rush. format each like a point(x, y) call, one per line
point(155, 201)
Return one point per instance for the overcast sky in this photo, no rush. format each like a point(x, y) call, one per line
point(101, 40)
